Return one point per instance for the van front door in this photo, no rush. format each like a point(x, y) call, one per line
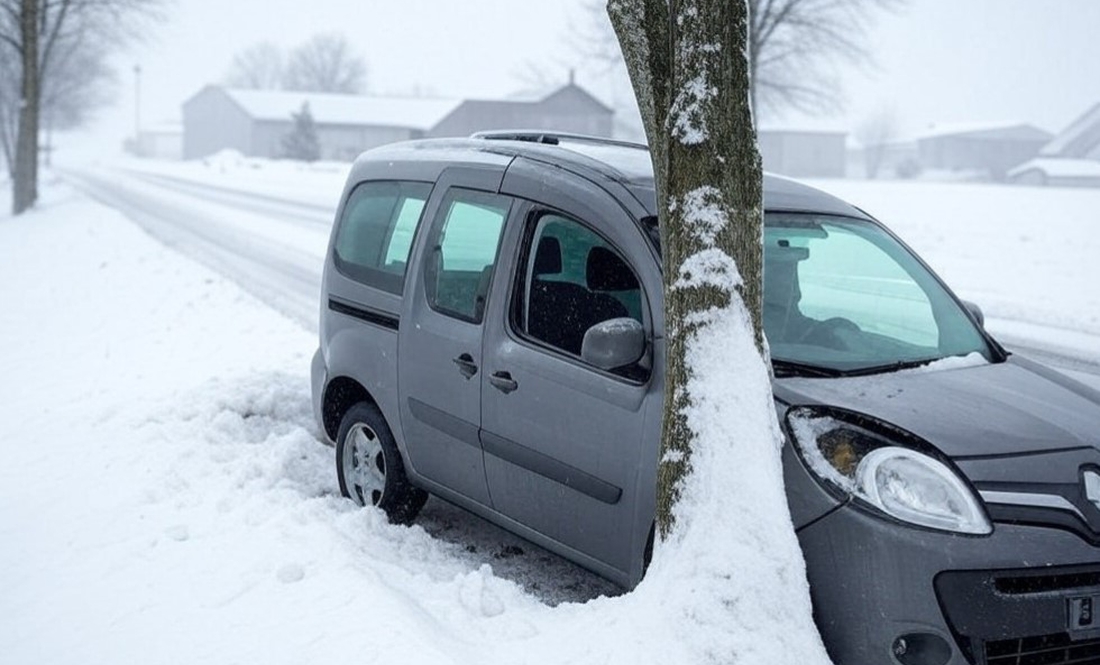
point(439, 347)
point(563, 439)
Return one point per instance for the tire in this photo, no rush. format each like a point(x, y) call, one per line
point(369, 466)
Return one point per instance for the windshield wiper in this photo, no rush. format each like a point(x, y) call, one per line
point(888, 367)
point(785, 368)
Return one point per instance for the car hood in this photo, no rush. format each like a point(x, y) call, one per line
point(1012, 407)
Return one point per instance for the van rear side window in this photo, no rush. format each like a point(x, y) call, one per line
point(376, 232)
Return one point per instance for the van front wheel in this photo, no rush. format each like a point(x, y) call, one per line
point(369, 466)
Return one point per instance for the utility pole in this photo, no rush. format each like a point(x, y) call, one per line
point(137, 109)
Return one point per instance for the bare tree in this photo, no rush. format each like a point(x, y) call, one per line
point(709, 191)
point(10, 94)
point(25, 180)
point(326, 63)
point(794, 43)
point(794, 47)
point(42, 42)
point(689, 65)
point(80, 83)
point(874, 133)
point(258, 67)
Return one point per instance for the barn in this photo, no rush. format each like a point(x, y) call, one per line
point(254, 122)
point(988, 149)
point(1071, 159)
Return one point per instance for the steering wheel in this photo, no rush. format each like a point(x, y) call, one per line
point(829, 333)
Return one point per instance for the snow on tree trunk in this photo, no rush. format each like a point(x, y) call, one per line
point(25, 180)
point(728, 554)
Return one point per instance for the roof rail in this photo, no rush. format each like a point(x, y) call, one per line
point(553, 138)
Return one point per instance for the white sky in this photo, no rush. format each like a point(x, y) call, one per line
point(938, 60)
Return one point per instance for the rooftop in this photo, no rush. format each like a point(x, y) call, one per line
point(414, 112)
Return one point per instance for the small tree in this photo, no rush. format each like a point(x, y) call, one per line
point(302, 142)
point(326, 63)
point(720, 497)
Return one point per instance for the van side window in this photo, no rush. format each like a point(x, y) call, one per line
point(376, 232)
point(464, 247)
point(574, 279)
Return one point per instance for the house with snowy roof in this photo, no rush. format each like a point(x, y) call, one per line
point(254, 122)
point(804, 149)
point(988, 149)
point(1070, 159)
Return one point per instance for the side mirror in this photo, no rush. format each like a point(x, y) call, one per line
point(613, 343)
point(975, 312)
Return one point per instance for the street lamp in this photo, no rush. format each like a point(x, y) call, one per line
point(137, 108)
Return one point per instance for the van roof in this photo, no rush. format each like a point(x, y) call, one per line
point(623, 162)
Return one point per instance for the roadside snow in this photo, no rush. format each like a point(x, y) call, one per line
point(729, 522)
point(164, 497)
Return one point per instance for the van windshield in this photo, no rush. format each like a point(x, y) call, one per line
point(842, 296)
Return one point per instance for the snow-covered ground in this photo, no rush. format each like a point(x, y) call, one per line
point(165, 498)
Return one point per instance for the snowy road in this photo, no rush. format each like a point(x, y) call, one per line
point(273, 248)
point(274, 245)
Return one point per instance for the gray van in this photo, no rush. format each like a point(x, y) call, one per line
point(491, 332)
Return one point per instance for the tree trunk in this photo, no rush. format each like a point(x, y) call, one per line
point(728, 556)
point(690, 70)
point(25, 182)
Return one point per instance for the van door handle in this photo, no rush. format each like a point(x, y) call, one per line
point(466, 365)
point(503, 382)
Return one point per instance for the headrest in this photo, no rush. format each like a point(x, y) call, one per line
point(605, 271)
point(548, 257)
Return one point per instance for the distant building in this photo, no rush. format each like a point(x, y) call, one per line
point(804, 153)
point(567, 109)
point(1070, 159)
point(163, 141)
point(254, 122)
point(992, 149)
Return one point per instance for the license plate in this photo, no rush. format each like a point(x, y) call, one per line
point(1082, 613)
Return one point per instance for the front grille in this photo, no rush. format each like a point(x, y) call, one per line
point(1043, 583)
point(1056, 649)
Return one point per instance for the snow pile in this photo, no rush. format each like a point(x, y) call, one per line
point(732, 574)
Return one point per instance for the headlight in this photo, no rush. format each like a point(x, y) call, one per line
point(880, 470)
